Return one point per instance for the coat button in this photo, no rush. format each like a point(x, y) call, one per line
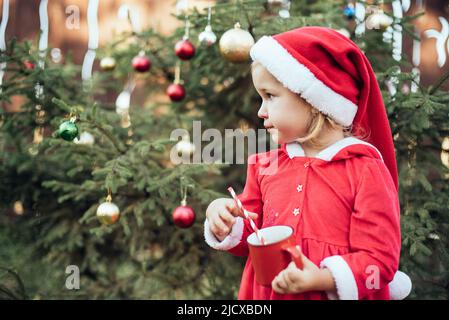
point(306, 165)
point(299, 188)
point(296, 211)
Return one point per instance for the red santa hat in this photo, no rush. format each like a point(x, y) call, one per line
point(330, 72)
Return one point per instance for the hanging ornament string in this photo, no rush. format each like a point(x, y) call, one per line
point(92, 23)
point(208, 37)
point(109, 197)
point(187, 26)
point(209, 15)
point(236, 10)
point(3, 25)
point(245, 212)
point(183, 188)
point(178, 72)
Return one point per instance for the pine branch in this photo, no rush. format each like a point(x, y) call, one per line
point(106, 133)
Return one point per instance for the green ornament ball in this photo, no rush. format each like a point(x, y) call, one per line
point(68, 130)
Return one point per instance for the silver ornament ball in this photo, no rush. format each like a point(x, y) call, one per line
point(207, 37)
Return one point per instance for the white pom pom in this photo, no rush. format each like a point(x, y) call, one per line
point(400, 287)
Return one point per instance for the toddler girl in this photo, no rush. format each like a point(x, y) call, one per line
point(339, 193)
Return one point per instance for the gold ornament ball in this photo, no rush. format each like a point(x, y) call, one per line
point(108, 213)
point(235, 44)
point(108, 63)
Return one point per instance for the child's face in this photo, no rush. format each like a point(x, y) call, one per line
point(286, 115)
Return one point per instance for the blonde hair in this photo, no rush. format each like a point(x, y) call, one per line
point(319, 121)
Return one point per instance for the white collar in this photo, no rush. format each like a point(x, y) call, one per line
point(294, 149)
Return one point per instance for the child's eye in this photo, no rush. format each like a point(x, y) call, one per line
point(269, 95)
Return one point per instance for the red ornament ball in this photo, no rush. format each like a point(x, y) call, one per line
point(28, 65)
point(184, 49)
point(176, 92)
point(183, 216)
point(141, 63)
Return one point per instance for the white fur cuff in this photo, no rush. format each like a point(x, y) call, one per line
point(230, 241)
point(343, 277)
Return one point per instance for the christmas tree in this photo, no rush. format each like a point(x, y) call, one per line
point(69, 149)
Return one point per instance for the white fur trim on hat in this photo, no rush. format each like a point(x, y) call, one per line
point(230, 241)
point(343, 277)
point(299, 79)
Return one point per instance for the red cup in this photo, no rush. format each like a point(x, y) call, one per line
point(279, 250)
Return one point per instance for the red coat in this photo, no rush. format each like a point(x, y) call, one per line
point(343, 207)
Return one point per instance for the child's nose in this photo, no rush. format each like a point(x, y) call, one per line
point(262, 113)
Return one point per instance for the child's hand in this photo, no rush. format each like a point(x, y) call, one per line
point(221, 215)
point(310, 278)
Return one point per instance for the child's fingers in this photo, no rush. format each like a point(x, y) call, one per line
point(234, 209)
point(252, 215)
point(219, 228)
point(292, 273)
point(237, 212)
point(279, 285)
point(228, 218)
